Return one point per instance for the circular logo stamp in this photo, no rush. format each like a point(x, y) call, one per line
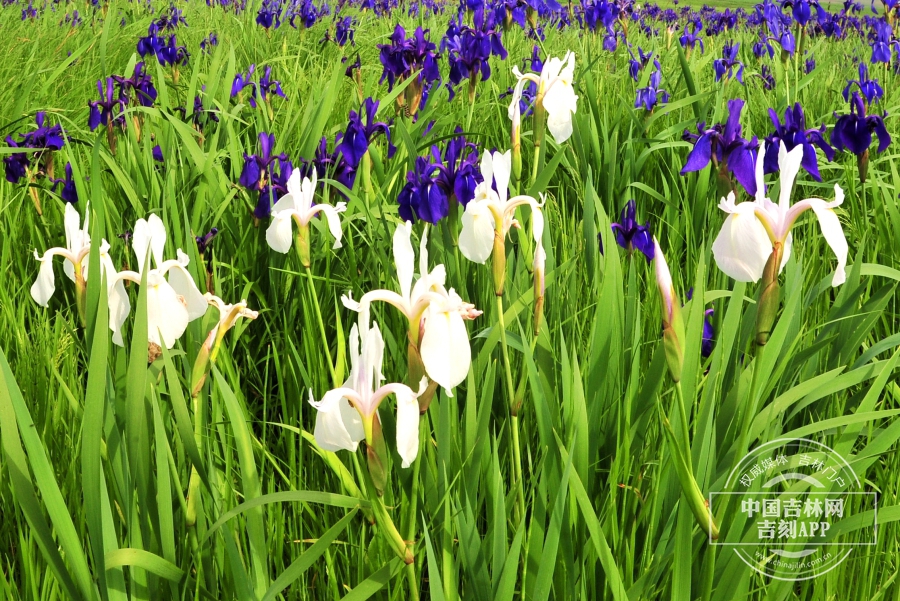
point(800, 509)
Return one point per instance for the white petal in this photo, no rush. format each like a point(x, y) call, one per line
point(181, 281)
point(76, 238)
point(788, 166)
point(834, 235)
point(119, 307)
point(560, 103)
point(742, 247)
point(280, 233)
point(445, 346)
point(167, 314)
point(487, 168)
point(502, 166)
point(338, 424)
point(423, 253)
point(45, 284)
point(286, 202)
point(404, 257)
point(407, 425)
point(476, 240)
point(334, 222)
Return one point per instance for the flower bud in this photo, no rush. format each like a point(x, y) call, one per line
point(769, 296)
point(301, 243)
point(673, 325)
point(862, 163)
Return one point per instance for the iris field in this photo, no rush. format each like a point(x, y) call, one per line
point(427, 300)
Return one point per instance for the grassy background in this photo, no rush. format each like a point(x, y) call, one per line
point(97, 447)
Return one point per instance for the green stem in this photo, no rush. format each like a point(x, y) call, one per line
point(315, 298)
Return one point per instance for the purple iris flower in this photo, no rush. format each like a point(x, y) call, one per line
point(49, 137)
point(870, 89)
point(15, 164)
point(403, 57)
point(152, 43)
point(853, 132)
point(104, 111)
point(355, 141)
point(780, 30)
point(208, 42)
point(883, 42)
point(599, 14)
point(800, 9)
point(171, 19)
point(204, 241)
point(651, 95)
point(768, 79)
point(458, 172)
point(331, 164)
point(794, 133)
point(172, 54)
point(200, 117)
point(267, 85)
point(355, 66)
point(636, 65)
point(763, 47)
point(809, 65)
point(422, 197)
point(69, 193)
point(29, 12)
point(242, 81)
point(257, 173)
point(724, 146)
point(344, 31)
point(139, 86)
point(269, 14)
point(691, 38)
point(631, 235)
point(729, 66)
point(469, 51)
point(158, 154)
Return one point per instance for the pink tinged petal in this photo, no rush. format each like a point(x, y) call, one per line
point(45, 284)
point(407, 425)
point(476, 240)
point(338, 425)
point(404, 258)
point(334, 222)
point(445, 346)
point(167, 314)
point(181, 281)
point(280, 233)
point(742, 247)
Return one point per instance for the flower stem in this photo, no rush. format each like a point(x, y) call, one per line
point(315, 298)
point(514, 411)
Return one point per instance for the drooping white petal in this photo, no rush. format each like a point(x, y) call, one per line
point(45, 284)
point(445, 346)
point(280, 233)
point(181, 281)
point(407, 425)
point(119, 307)
point(338, 425)
point(167, 313)
point(286, 202)
point(476, 240)
point(834, 234)
point(334, 222)
point(742, 247)
point(404, 257)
